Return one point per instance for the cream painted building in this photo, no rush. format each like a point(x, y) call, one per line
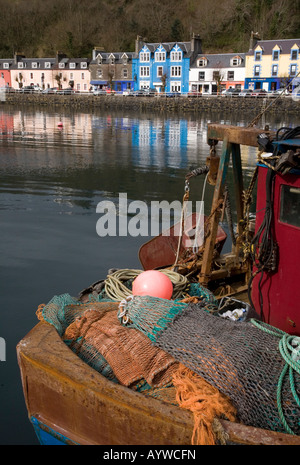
point(272, 64)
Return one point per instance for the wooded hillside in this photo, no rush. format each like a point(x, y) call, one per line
point(39, 28)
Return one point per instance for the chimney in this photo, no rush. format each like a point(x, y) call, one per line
point(254, 38)
point(96, 50)
point(60, 56)
point(196, 44)
point(138, 44)
point(18, 57)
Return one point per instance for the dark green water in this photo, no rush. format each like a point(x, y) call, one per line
point(51, 181)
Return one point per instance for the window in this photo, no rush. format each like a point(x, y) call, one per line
point(34, 64)
point(61, 65)
point(216, 75)
point(201, 75)
point(99, 73)
point(175, 86)
point(294, 54)
point(5, 65)
point(85, 87)
point(202, 62)
point(257, 56)
point(160, 56)
point(112, 60)
point(256, 70)
point(124, 59)
point(293, 70)
point(20, 65)
point(145, 56)
point(176, 56)
point(160, 71)
point(236, 61)
point(78, 86)
point(176, 71)
point(83, 64)
point(289, 205)
point(47, 64)
point(274, 70)
point(71, 76)
point(230, 75)
point(144, 71)
point(31, 75)
point(275, 55)
point(82, 75)
point(72, 65)
point(125, 73)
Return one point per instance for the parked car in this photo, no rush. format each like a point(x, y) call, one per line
point(246, 93)
point(99, 92)
point(142, 93)
point(50, 90)
point(66, 91)
point(275, 93)
point(260, 93)
point(231, 92)
point(173, 94)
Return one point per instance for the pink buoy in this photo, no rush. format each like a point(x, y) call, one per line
point(153, 283)
point(60, 125)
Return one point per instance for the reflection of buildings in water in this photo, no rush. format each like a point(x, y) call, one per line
point(36, 141)
point(44, 127)
point(160, 142)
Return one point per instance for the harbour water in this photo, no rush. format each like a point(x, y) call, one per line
point(51, 181)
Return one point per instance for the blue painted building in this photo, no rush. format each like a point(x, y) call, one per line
point(164, 66)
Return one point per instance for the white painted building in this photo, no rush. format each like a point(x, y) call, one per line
point(212, 73)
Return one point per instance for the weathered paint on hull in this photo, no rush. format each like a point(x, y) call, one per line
point(74, 404)
point(48, 436)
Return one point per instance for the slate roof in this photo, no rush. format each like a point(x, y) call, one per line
point(117, 55)
point(220, 60)
point(268, 45)
point(168, 46)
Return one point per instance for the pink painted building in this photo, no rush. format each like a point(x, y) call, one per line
point(61, 72)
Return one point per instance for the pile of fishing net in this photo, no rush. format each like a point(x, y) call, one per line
point(181, 353)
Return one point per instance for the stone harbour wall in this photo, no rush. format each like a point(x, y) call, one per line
point(159, 103)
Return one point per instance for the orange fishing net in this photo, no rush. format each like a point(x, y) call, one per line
point(129, 353)
point(204, 401)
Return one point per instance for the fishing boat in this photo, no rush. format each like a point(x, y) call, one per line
point(70, 401)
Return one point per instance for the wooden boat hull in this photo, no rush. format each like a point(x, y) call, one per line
point(69, 402)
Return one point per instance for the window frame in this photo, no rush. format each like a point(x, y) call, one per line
point(144, 71)
point(176, 71)
point(174, 54)
point(255, 73)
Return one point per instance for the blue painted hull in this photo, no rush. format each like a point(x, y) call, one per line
point(47, 436)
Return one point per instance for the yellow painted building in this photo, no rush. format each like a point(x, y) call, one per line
point(272, 64)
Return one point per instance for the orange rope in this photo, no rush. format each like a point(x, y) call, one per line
point(39, 312)
point(204, 401)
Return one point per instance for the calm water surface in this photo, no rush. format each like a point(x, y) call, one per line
point(51, 181)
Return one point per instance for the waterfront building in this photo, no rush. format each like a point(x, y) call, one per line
point(164, 66)
point(213, 73)
point(5, 76)
point(272, 64)
point(61, 72)
point(111, 71)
